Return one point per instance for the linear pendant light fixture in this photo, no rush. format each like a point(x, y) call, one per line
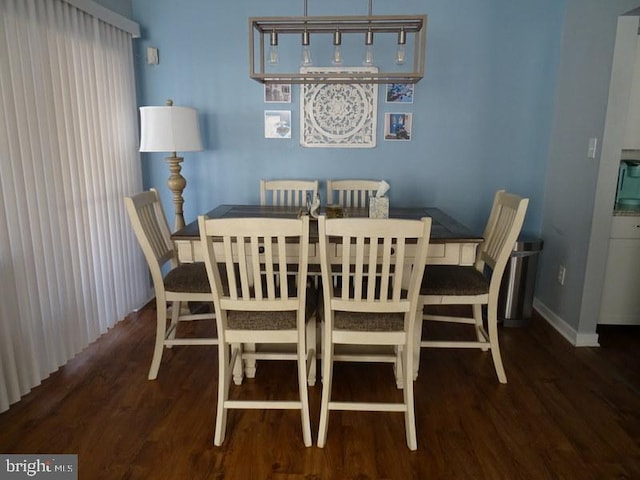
point(265, 32)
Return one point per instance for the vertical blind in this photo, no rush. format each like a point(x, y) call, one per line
point(70, 267)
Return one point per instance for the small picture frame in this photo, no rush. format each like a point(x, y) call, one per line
point(399, 93)
point(397, 126)
point(277, 93)
point(277, 123)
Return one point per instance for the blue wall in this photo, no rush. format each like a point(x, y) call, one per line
point(482, 114)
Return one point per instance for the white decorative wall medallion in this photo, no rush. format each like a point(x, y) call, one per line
point(338, 114)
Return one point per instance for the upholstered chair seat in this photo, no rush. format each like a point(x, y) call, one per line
point(272, 320)
point(188, 277)
point(454, 280)
point(368, 322)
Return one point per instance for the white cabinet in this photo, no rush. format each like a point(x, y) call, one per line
point(620, 303)
point(632, 126)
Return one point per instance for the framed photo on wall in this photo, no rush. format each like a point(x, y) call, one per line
point(397, 126)
point(277, 93)
point(399, 93)
point(277, 123)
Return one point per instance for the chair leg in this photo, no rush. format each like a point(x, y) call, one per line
point(477, 316)
point(322, 349)
point(311, 351)
point(176, 307)
point(492, 321)
point(223, 393)
point(250, 364)
point(417, 335)
point(327, 372)
point(398, 367)
point(409, 415)
point(304, 395)
point(238, 373)
point(161, 331)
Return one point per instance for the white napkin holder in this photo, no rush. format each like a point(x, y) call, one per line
point(378, 207)
point(379, 204)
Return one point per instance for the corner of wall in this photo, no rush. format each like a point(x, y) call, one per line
point(574, 337)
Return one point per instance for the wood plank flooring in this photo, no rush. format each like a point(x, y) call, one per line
point(565, 413)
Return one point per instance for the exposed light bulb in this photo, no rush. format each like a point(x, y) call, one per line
point(402, 40)
point(368, 56)
point(400, 55)
point(306, 56)
point(368, 52)
point(306, 51)
point(273, 48)
point(337, 55)
point(337, 49)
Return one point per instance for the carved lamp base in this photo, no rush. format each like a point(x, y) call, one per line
point(176, 184)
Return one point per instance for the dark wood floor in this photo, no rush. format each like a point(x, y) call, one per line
point(565, 413)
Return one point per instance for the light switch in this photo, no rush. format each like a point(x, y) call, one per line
point(593, 147)
point(152, 56)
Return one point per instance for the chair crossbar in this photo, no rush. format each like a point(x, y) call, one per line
point(269, 356)
point(455, 299)
point(191, 341)
point(197, 316)
point(260, 405)
point(381, 358)
point(447, 318)
point(453, 344)
point(368, 406)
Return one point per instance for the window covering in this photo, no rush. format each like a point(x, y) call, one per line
point(70, 267)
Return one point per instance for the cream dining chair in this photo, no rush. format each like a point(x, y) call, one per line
point(183, 283)
point(351, 193)
point(477, 285)
point(260, 296)
point(287, 192)
point(374, 302)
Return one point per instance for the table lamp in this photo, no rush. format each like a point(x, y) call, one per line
point(171, 129)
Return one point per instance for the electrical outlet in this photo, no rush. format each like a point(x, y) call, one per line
point(561, 274)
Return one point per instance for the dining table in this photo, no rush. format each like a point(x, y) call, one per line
point(451, 243)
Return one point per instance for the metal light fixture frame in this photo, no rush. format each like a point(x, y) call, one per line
point(263, 27)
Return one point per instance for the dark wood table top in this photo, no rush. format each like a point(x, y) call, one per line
point(444, 229)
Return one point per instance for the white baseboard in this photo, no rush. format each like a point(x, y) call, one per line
point(151, 296)
point(567, 331)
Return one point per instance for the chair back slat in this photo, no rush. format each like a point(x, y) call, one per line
point(351, 193)
point(152, 231)
point(503, 227)
point(373, 260)
point(261, 272)
point(287, 192)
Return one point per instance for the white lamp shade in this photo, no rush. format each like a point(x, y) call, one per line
point(169, 129)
